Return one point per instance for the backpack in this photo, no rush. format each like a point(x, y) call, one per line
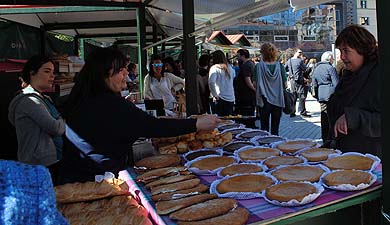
point(289, 102)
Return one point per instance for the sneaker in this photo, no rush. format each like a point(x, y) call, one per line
point(305, 115)
point(292, 115)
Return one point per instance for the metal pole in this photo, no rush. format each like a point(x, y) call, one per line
point(142, 54)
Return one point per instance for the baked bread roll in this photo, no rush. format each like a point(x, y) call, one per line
point(298, 173)
point(166, 207)
point(159, 161)
point(168, 149)
point(224, 138)
point(240, 169)
point(77, 192)
point(205, 210)
point(353, 177)
point(200, 188)
point(206, 135)
point(293, 146)
point(245, 183)
point(182, 147)
point(349, 162)
point(317, 154)
point(195, 144)
point(287, 191)
point(237, 216)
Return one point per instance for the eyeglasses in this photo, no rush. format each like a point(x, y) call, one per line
point(158, 64)
point(300, 52)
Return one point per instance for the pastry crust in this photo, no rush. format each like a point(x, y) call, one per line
point(182, 185)
point(268, 140)
point(212, 163)
point(77, 192)
point(282, 160)
point(245, 183)
point(159, 161)
point(298, 173)
point(293, 146)
point(195, 144)
point(287, 191)
point(353, 177)
point(152, 174)
point(240, 169)
point(205, 210)
point(250, 134)
point(200, 188)
point(349, 162)
point(169, 180)
point(237, 216)
point(228, 126)
point(317, 154)
point(195, 154)
point(166, 207)
point(233, 146)
point(258, 153)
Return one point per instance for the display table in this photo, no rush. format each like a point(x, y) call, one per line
point(262, 212)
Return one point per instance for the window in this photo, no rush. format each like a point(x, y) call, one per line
point(363, 4)
point(309, 38)
point(364, 21)
point(281, 38)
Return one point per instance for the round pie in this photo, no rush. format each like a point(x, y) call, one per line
point(282, 160)
point(258, 153)
point(233, 146)
point(353, 177)
point(245, 183)
point(253, 133)
point(298, 173)
point(317, 154)
point(159, 161)
point(349, 162)
point(195, 154)
point(236, 131)
point(287, 191)
point(293, 146)
point(268, 140)
point(212, 163)
point(229, 126)
point(240, 169)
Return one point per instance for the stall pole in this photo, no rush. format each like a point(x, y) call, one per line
point(141, 36)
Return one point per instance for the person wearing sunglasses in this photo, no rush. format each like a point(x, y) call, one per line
point(159, 84)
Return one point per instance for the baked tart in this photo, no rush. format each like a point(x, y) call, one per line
point(229, 126)
point(159, 161)
point(257, 153)
point(287, 191)
point(240, 169)
point(275, 161)
point(265, 140)
point(195, 154)
point(252, 133)
point(298, 173)
point(237, 216)
point(352, 177)
point(212, 162)
point(291, 147)
point(349, 162)
point(233, 146)
point(245, 183)
point(317, 154)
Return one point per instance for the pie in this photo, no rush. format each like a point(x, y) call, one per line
point(287, 191)
point(182, 185)
point(317, 154)
point(166, 207)
point(152, 174)
point(212, 163)
point(293, 146)
point(169, 180)
point(229, 126)
point(195, 154)
point(258, 153)
point(236, 131)
point(298, 173)
point(253, 133)
point(273, 162)
point(245, 183)
point(159, 161)
point(349, 162)
point(269, 139)
point(233, 146)
point(180, 194)
point(353, 177)
point(205, 210)
point(237, 216)
point(240, 169)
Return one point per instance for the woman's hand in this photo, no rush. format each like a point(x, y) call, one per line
point(207, 122)
point(341, 126)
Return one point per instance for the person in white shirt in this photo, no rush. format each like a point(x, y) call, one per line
point(161, 85)
point(221, 76)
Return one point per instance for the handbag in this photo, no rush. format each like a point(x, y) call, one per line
point(289, 102)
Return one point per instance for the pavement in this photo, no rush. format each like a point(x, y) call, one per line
point(302, 127)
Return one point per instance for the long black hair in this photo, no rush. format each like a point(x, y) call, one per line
point(91, 81)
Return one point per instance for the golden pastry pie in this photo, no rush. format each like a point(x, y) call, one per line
point(233, 146)
point(287, 191)
point(317, 154)
point(237, 216)
point(182, 185)
point(169, 180)
point(240, 169)
point(159, 161)
point(298, 173)
point(195, 154)
point(273, 162)
point(229, 126)
point(212, 163)
point(245, 183)
point(293, 146)
point(258, 153)
point(269, 139)
point(236, 131)
point(152, 174)
point(166, 207)
point(349, 162)
point(253, 133)
point(353, 177)
point(182, 193)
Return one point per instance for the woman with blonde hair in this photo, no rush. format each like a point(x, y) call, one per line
point(221, 76)
point(271, 80)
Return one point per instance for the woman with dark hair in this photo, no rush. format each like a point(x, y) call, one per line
point(203, 83)
point(159, 84)
point(221, 77)
point(354, 110)
point(170, 66)
point(98, 138)
point(38, 124)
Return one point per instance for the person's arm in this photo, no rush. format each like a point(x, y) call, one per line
point(248, 74)
point(284, 75)
point(368, 123)
point(177, 82)
point(249, 83)
point(147, 90)
point(334, 77)
point(212, 82)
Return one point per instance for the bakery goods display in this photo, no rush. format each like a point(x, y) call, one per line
point(317, 154)
point(205, 210)
point(298, 173)
point(292, 146)
point(245, 183)
point(169, 180)
point(349, 162)
point(195, 154)
point(233, 146)
point(352, 177)
point(257, 153)
point(229, 126)
point(78, 192)
point(200, 188)
point(266, 140)
point(240, 169)
point(156, 173)
point(237, 216)
point(166, 207)
point(247, 135)
point(275, 161)
point(235, 131)
point(287, 191)
point(159, 161)
point(211, 163)
point(182, 185)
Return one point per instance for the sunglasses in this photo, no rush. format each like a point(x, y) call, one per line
point(158, 64)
